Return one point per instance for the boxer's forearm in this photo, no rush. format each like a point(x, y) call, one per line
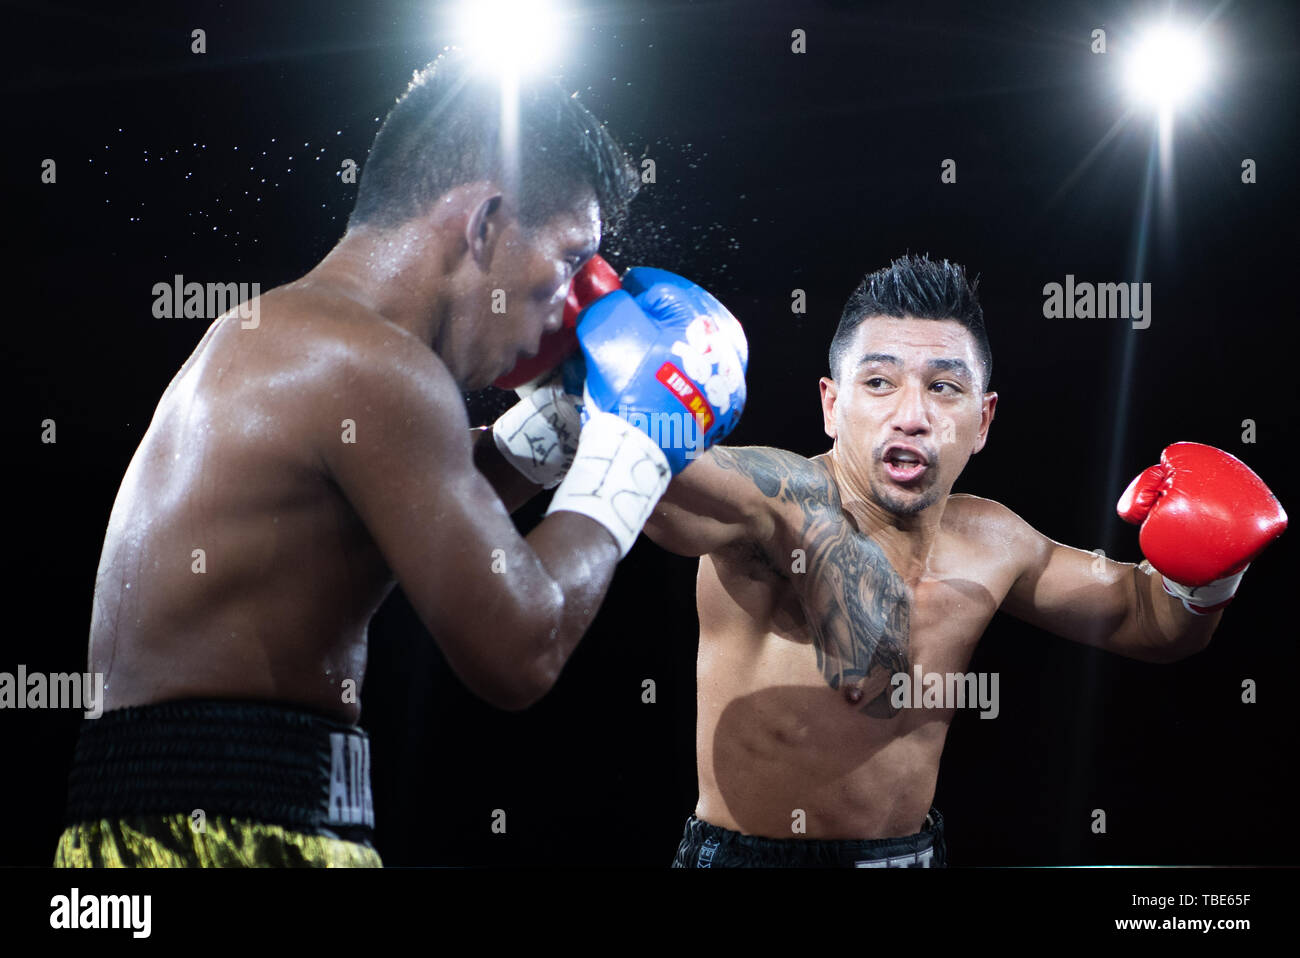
point(510, 484)
point(560, 587)
point(581, 557)
point(1167, 629)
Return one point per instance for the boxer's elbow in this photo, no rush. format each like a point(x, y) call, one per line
point(524, 688)
point(1161, 654)
point(538, 657)
point(1159, 649)
point(516, 698)
point(1187, 646)
point(515, 687)
point(502, 654)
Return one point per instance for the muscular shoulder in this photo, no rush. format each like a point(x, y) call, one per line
point(981, 518)
point(778, 475)
point(737, 500)
point(968, 511)
point(993, 528)
point(792, 490)
point(788, 491)
point(349, 367)
point(365, 349)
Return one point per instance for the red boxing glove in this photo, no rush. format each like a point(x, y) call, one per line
point(594, 280)
point(1205, 516)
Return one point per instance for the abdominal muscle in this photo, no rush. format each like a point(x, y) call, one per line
point(782, 755)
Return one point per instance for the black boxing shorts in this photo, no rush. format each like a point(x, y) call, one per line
point(213, 783)
point(710, 846)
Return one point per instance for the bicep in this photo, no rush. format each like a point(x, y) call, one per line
point(1078, 595)
point(709, 506)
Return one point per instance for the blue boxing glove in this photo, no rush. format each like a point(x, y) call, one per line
point(665, 381)
point(667, 357)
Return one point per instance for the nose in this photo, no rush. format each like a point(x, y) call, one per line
point(911, 417)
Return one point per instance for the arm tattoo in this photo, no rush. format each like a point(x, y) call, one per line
point(857, 606)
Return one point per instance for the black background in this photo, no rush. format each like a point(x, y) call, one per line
point(776, 171)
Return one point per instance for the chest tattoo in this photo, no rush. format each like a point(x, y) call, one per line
point(857, 607)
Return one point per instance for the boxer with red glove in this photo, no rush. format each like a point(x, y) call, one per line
point(1204, 516)
point(839, 595)
point(594, 280)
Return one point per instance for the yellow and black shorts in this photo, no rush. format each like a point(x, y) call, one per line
point(208, 783)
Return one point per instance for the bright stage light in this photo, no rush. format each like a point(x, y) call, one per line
point(1166, 67)
point(509, 36)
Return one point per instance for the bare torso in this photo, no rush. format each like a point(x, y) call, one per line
point(798, 641)
point(232, 566)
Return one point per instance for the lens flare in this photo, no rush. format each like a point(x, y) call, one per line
point(509, 36)
point(1167, 66)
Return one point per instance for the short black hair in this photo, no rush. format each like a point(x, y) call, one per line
point(446, 129)
point(918, 287)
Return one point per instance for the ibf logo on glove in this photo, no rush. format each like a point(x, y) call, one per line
point(686, 392)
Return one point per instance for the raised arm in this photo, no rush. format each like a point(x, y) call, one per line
point(506, 612)
point(1089, 598)
point(1205, 516)
point(727, 496)
point(530, 447)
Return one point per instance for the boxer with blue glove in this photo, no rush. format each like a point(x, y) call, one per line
point(832, 589)
point(664, 380)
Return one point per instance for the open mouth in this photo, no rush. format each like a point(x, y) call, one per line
point(904, 464)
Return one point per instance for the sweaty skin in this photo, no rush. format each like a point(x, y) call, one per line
point(821, 578)
point(295, 471)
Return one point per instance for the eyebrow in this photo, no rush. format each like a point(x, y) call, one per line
point(955, 366)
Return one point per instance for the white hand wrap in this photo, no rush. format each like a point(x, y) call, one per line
point(539, 434)
point(616, 478)
point(1196, 598)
